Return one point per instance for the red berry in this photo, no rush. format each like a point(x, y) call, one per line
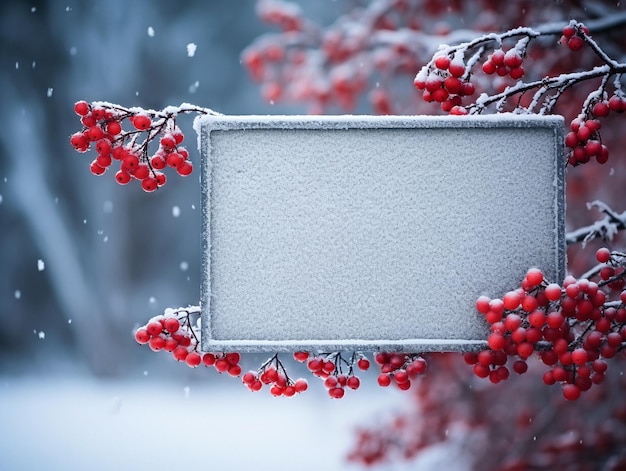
point(233, 358)
point(96, 168)
point(520, 367)
point(301, 356)
point(525, 350)
point(221, 365)
point(575, 43)
point(489, 67)
point(122, 177)
point(180, 353)
point(616, 104)
point(529, 303)
point(178, 136)
point(537, 319)
point(301, 385)
point(363, 364)
point(81, 108)
point(193, 359)
point(104, 160)
point(95, 133)
point(482, 371)
point(249, 377)
point(154, 328)
point(157, 343)
point(130, 162)
point(442, 62)
point(498, 57)
point(168, 142)
point(384, 380)
point(482, 304)
point(553, 292)
point(571, 392)
point(174, 160)
point(516, 73)
point(496, 341)
point(471, 358)
point(457, 68)
point(603, 156)
point(353, 382)
point(234, 370)
point(79, 141)
point(571, 139)
point(534, 277)
point(114, 128)
point(569, 31)
point(142, 122)
point(142, 172)
point(171, 324)
point(98, 113)
point(330, 382)
point(603, 255)
point(160, 178)
point(142, 336)
point(208, 359)
point(579, 356)
point(103, 146)
point(512, 59)
point(512, 300)
point(453, 85)
point(600, 109)
point(170, 344)
point(149, 184)
point(158, 162)
point(185, 168)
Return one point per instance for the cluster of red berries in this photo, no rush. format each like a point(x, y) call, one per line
point(102, 127)
point(329, 368)
point(444, 83)
point(399, 367)
point(278, 382)
point(505, 63)
point(584, 140)
point(572, 36)
point(173, 333)
point(571, 327)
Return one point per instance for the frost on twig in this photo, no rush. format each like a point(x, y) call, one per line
point(605, 228)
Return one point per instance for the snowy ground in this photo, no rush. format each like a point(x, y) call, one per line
point(76, 424)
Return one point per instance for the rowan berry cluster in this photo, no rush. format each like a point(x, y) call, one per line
point(174, 332)
point(103, 129)
point(446, 82)
point(574, 35)
point(329, 368)
point(399, 368)
point(505, 63)
point(573, 328)
point(446, 78)
point(273, 374)
point(584, 141)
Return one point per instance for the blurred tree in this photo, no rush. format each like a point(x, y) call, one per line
point(103, 267)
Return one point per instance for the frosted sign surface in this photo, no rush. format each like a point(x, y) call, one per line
point(366, 233)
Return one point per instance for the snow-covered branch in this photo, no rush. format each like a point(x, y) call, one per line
point(605, 228)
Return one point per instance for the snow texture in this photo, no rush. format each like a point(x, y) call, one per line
point(82, 424)
point(367, 233)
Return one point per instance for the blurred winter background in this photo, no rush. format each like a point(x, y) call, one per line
point(84, 261)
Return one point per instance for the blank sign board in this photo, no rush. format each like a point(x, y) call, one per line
point(372, 233)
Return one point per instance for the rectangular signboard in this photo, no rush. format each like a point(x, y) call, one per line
point(326, 233)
